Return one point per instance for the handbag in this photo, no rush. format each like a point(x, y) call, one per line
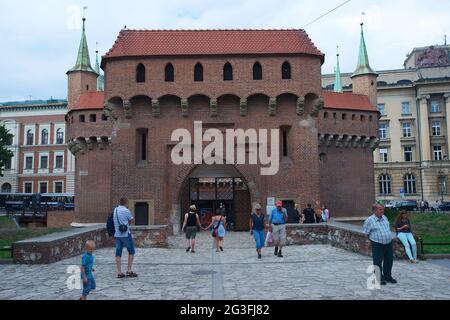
point(122, 227)
point(216, 229)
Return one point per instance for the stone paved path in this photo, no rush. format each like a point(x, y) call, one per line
point(306, 272)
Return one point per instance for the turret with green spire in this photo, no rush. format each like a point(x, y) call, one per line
point(100, 79)
point(363, 67)
point(83, 61)
point(337, 80)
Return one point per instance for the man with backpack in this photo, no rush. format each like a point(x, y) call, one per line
point(121, 219)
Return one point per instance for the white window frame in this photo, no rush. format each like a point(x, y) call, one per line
point(411, 152)
point(386, 136)
point(42, 170)
point(55, 131)
point(54, 186)
point(435, 106)
point(25, 156)
point(31, 127)
point(383, 105)
point(385, 184)
point(404, 103)
point(438, 155)
point(41, 128)
point(384, 156)
point(55, 169)
point(436, 130)
point(39, 186)
point(32, 185)
point(410, 184)
point(407, 131)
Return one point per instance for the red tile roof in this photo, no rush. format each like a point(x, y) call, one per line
point(211, 42)
point(90, 100)
point(347, 101)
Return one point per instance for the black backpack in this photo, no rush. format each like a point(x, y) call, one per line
point(110, 225)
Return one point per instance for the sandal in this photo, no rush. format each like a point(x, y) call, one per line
point(131, 274)
point(120, 275)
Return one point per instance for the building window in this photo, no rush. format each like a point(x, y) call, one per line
point(325, 115)
point(382, 109)
point(383, 131)
point(257, 71)
point(58, 187)
point(28, 187)
point(437, 151)
point(385, 184)
point(30, 137)
point(81, 118)
point(436, 128)
point(286, 70)
point(408, 154)
point(92, 118)
point(104, 117)
point(59, 136)
point(353, 117)
point(140, 73)
point(409, 184)
point(284, 141)
point(198, 72)
point(28, 163)
point(344, 116)
point(169, 75)
point(405, 108)
point(44, 162)
point(6, 188)
point(363, 118)
point(384, 155)
point(9, 140)
point(407, 131)
point(8, 164)
point(435, 106)
point(59, 162)
point(44, 136)
point(43, 187)
point(227, 72)
point(141, 144)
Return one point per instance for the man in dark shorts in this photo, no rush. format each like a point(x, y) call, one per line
point(190, 224)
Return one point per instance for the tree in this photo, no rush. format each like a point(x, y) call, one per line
point(5, 153)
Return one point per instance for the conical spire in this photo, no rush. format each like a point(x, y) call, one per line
point(337, 80)
point(363, 67)
point(83, 61)
point(100, 78)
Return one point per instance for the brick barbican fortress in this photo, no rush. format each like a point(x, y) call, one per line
point(157, 81)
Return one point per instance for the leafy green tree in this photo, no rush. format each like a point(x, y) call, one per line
point(5, 153)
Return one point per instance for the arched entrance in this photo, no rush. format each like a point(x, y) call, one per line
point(6, 188)
point(215, 188)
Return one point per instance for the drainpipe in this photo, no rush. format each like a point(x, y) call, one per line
point(420, 143)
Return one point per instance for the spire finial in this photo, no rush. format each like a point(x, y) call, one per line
point(338, 80)
point(84, 17)
point(363, 67)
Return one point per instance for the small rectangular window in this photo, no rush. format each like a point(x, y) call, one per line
point(383, 155)
point(59, 162)
point(382, 109)
point(29, 163)
point(408, 154)
point(141, 144)
point(58, 187)
point(405, 108)
point(81, 118)
point(44, 162)
point(435, 106)
point(43, 187)
point(28, 187)
point(92, 118)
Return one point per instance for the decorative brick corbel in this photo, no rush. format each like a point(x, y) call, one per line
point(156, 110)
point(272, 107)
point(213, 112)
point(184, 108)
point(243, 107)
point(127, 109)
point(318, 105)
point(300, 106)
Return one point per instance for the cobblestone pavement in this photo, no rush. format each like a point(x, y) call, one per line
point(306, 272)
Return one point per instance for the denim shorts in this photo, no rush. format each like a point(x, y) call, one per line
point(87, 287)
point(124, 242)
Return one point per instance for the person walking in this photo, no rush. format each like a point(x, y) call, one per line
point(380, 235)
point(309, 215)
point(277, 220)
point(122, 217)
point(257, 228)
point(190, 224)
point(87, 269)
point(405, 235)
point(325, 214)
point(218, 232)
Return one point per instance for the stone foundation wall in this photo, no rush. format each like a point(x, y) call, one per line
point(344, 236)
point(63, 245)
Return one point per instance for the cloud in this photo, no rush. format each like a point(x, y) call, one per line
point(42, 37)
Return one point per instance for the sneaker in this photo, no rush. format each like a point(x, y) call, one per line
point(280, 255)
point(276, 251)
point(221, 249)
point(383, 282)
point(259, 256)
point(188, 248)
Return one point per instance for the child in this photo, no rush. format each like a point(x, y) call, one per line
point(87, 263)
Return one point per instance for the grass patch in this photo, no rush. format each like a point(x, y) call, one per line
point(10, 234)
point(431, 227)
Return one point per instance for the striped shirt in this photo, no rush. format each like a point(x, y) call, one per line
point(378, 229)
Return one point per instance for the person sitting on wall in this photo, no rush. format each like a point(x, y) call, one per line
point(405, 235)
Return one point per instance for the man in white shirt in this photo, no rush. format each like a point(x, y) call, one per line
point(122, 217)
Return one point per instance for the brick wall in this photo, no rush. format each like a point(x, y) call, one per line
point(60, 219)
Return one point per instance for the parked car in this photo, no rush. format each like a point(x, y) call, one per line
point(445, 206)
point(390, 204)
point(408, 205)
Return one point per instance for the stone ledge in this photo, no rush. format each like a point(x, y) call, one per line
point(63, 245)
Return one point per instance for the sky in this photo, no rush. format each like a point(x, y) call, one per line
point(40, 39)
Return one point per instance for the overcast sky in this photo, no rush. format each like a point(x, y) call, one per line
point(39, 39)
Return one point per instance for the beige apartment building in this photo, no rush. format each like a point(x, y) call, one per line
point(412, 159)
